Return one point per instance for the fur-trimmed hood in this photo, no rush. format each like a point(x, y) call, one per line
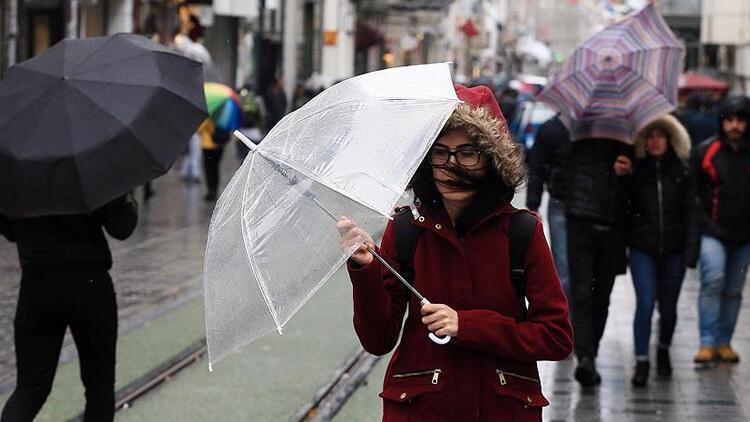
point(677, 134)
point(480, 117)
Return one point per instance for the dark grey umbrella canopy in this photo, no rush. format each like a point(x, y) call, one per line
point(90, 119)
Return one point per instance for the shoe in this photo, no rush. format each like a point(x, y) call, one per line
point(726, 354)
point(663, 363)
point(586, 373)
point(706, 354)
point(640, 376)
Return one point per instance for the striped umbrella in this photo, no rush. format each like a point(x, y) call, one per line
point(619, 79)
point(223, 105)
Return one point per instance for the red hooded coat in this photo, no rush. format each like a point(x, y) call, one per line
point(488, 372)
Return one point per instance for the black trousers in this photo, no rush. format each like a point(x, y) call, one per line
point(51, 300)
point(595, 254)
point(211, 161)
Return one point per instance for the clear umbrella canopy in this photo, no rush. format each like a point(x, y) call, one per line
point(349, 151)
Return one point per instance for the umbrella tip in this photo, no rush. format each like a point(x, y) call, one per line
point(245, 140)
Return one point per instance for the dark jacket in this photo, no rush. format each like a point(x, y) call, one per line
point(593, 192)
point(661, 196)
point(489, 371)
point(547, 162)
point(72, 239)
point(722, 183)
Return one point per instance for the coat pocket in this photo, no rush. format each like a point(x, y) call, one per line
point(414, 396)
point(525, 389)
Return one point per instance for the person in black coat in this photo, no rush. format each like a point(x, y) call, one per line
point(547, 166)
point(65, 282)
point(660, 214)
point(594, 212)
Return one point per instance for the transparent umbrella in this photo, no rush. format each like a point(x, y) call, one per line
point(351, 150)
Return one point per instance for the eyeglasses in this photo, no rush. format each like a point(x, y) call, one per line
point(466, 157)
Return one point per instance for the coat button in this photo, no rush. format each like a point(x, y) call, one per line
point(421, 219)
point(529, 399)
point(438, 226)
point(402, 396)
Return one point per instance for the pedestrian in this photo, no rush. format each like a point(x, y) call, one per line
point(594, 212)
point(660, 211)
point(65, 282)
point(722, 182)
point(213, 140)
point(191, 169)
point(275, 102)
point(547, 164)
point(253, 119)
point(460, 260)
point(698, 119)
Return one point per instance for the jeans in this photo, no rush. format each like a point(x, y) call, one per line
point(594, 259)
point(655, 278)
point(48, 303)
point(558, 241)
point(191, 164)
point(723, 272)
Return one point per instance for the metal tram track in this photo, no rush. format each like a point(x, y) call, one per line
point(323, 406)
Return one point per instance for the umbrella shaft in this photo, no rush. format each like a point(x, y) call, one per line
point(395, 273)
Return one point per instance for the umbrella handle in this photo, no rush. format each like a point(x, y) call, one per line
point(432, 336)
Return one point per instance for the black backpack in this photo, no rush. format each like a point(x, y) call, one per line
point(521, 231)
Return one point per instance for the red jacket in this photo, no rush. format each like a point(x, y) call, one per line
point(488, 372)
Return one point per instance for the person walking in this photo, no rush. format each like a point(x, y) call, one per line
point(547, 162)
point(722, 182)
point(65, 282)
point(212, 149)
point(659, 216)
point(595, 212)
point(488, 371)
point(275, 102)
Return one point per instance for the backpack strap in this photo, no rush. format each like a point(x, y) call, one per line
point(406, 242)
point(521, 231)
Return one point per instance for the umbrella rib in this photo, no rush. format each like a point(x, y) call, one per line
point(156, 85)
point(317, 180)
point(7, 118)
point(125, 126)
point(253, 265)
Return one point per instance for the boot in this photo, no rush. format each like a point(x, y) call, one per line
point(586, 373)
point(706, 354)
point(640, 375)
point(663, 363)
point(727, 355)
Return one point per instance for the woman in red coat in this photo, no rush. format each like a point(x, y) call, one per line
point(488, 371)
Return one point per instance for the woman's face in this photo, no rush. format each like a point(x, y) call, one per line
point(455, 148)
point(656, 143)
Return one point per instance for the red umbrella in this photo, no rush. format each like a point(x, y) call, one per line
point(694, 81)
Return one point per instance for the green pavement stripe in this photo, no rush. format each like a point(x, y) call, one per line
point(271, 378)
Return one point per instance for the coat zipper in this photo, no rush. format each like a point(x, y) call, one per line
point(435, 374)
point(660, 205)
point(501, 374)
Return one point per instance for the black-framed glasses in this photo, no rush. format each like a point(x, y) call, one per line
point(467, 157)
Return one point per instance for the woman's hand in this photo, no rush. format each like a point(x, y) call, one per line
point(440, 319)
point(355, 241)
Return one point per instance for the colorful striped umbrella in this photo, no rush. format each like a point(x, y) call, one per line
point(619, 79)
point(223, 106)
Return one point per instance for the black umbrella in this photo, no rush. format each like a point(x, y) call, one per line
point(90, 119)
